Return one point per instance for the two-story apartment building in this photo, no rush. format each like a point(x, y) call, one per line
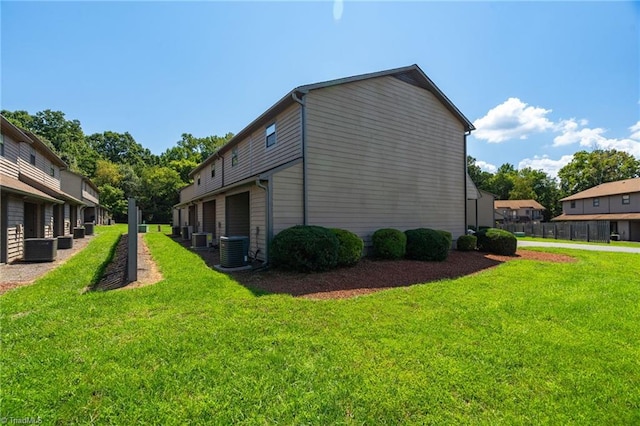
point(33, 204)
point(618, 202)
point(386, 149)
point(82, 188)
point(518, 211)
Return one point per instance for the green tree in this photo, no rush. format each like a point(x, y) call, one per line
point(477, 175)
point(589, 169)
point(159, 193)
point(121, 148)
point(501, 183)
point(529, 184)
point(113, 198)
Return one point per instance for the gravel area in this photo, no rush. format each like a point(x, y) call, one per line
point(370, 275)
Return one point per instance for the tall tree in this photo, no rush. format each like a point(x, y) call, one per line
point(159, 192)
point(477, 175)
point(121, 148)
point(589, 169)
point(536, 185)
point(501, 183)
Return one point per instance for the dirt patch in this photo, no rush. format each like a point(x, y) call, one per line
point(115, 275)
point(374, 275)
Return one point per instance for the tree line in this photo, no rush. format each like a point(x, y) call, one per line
point(118, 165)
point(586, 170)
point(122, 168)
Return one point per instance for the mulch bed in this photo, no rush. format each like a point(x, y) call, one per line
point(371, 275)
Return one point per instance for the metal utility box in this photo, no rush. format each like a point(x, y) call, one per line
point(234, 251)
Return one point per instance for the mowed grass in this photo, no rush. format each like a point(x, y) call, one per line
point(553, 240)
point(525, 343)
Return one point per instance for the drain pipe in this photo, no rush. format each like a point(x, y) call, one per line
point(305, 198)
point(267, 237)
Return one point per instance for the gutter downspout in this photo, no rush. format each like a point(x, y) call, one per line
point(267, 238)
point(305, 197)
point(466, 174)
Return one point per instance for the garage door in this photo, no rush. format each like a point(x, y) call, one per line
point(237, 215)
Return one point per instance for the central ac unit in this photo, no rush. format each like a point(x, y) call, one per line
point(201, 239)
point(186, 232)
point(234, 252)
point(40, 249)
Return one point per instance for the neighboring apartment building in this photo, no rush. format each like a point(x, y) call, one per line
point(385, 149)
point(33, 205)
point(618, 202)
point(480, 210)
point(82, 188)
point(519, 211)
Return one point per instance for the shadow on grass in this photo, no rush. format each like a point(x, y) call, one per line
point(367, 276)
point(111, 273)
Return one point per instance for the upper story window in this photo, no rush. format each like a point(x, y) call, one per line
point(573, 204)
point(626, 199)
point(32, 156)
point(1, 144)
point(52, 171)
point(271, 135)
point(596, 202)
point(198, 179)
point(234, 156)
point(213, 169)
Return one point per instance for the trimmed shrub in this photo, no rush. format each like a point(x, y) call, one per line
point(448, 236)
point(350, 247)
point(427, 244)
point(467, 242)
point(305, 249)
point(389, 243)
point(497, 241)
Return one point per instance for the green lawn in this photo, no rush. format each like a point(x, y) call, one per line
point(525, 343)
point(553, 240)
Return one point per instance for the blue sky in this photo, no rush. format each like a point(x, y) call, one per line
point(539, 80)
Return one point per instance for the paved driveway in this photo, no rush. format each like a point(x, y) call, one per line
point(590, 247)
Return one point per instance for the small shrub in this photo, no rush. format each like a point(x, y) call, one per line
point(350, 247)
point(467, 242)
point(497, 241)
point(305, 249)
point(448, 236)
point(389, 243)
point(427, 244)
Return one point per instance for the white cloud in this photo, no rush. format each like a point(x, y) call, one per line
point(512, 119)
point(338, 9)
point(635, 131)
point(546, 164)
point(573, 132)
point(487, 167)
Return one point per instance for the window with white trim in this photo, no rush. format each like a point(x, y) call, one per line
point(626, 199)
point(213, 169)
point(32, 156)
point(596, 202)
point(234, 157)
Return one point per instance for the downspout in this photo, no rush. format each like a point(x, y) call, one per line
point(269, 225)
point(305, 197)
point(466, 173)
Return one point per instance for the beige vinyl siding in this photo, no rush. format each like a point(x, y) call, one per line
point(608, 204)
point(287, 198)
point(220, 216)
point(41, 171)
point(9, 163)
point(258, 214)
point(384, 153)
point(15, 228)
point(208, 183)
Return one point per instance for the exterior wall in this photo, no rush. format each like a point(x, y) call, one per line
point(48, 221)
point(41, 171)
point(485, 213)
point(384, 153)
point(72, 184)
point(287, 198)
point(623, 230)
point(67, 219)
point(253, 155)
point(9, 162)
point(15, 228)
point(608, 204)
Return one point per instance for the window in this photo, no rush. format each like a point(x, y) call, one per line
point(52, 171)
point(32, 156)
point(626, 199)
point(573, 204)
point(213, 169)
point(596, 202)
point(271, 135)
point(234, 157)
point(2, 145)
point(198, 178)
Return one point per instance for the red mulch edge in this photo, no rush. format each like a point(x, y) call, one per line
point(374, 275)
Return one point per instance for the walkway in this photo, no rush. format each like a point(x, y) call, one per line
point(590, 247)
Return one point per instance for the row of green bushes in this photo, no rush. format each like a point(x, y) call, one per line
point(315, 248)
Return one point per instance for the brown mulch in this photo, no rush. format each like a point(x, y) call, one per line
point(369, 275)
